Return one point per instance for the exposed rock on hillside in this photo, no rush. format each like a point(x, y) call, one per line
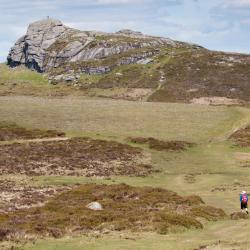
point(48, 43)
point(170, 71)
point(31, 48)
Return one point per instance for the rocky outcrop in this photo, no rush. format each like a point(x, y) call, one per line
point(176, 71)
point(49, 44)
point(30, 49)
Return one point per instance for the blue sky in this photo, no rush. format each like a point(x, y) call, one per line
point(214, 24)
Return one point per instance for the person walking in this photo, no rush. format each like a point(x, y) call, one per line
point(244, 201)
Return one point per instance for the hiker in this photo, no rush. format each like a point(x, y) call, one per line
point(244, 201)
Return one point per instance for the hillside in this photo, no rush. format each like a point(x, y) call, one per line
point(177, 154)
point(135, 65)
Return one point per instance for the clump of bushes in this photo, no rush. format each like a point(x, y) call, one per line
point(162, 145)
point(74, 157)
point(11, 131)
point(241, 137)
point(124, 208)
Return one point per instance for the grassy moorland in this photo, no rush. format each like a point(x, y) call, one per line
point(211, 169)
point(215, 167)
point(20, 81)
point(116, 118)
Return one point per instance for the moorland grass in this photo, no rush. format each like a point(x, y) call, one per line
point(121, 119)
point(22, 81)
point(124, 208)
point(74, 157)
point(161, 145)
point(11, 131)
point(212, 162)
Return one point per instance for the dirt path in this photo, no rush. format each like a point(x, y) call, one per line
point(46, 139)
point(37, 140)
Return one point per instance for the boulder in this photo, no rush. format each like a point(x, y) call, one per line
point(130, 33)
point(145, 61)
point(95, 206)
point(69, 78)
point(58, 77)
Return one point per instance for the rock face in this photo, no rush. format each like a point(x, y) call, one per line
point(49, 44)
point(31, 48)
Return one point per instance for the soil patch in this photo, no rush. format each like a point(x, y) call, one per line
point(11, 131)
point(162, 145)
point(124, 208)
point(74, 157)
point(241, 137)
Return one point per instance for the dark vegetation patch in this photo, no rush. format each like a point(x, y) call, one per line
point(19, 195)
point(231, 187)
point(76, 157)
point(203, 73)
point(11, 131)
point(241, 137)
point(132, 76)
point(239, 216)
point(124, 208)
point(124, 76)
point(207, 212)
point(245, 166)
point(190, 178)
point(162, 145)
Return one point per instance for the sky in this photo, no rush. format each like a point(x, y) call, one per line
point(214, 24)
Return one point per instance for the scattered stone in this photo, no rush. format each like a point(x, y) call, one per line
point(97, 70)
point(95, 206)
point(69, 78)
point(130, 33)
point(145, 61)
point(58, 78)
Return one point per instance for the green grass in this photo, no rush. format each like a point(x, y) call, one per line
point(21, 81)
point(20, 75)
point(133, 76)
point(224, 235)
point(216, 172)
point(88, 80)
point(192, 123)
point(12, 132)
